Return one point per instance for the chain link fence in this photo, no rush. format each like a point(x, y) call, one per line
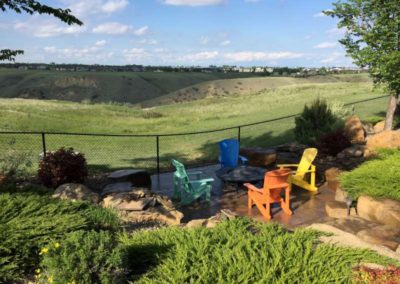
point(154, 152)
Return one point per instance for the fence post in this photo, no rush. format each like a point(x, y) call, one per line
point(239, 133)
point(44, 144)
point(158, 153)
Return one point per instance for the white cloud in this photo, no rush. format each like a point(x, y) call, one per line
point(136, 55)
point(148, 41)
point(193, 2)
point(319, 15)
point(257, 56)
point(141, 31)
point(225, 43)
point(325, 44)
point(114, 28)
point(204, 40)
point(199, 56)
point(336, 31)
point(49, 28)
point(90, 7)
point(100, 43)
point(114, 6)
point(90, 54)
point(334, 57)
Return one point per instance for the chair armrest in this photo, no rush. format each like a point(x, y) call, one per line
point(252, 187)
point(201, 181)
point(243, 160)
point(196, 173)
point(288, 166)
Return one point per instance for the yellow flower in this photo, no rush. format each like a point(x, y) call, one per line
point(43, 251)
point(50, 279)
point(56, 245)
point(37, 271)
point(72, 282)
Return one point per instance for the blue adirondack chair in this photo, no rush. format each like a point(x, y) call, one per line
point(229, 154)
point(189, 190)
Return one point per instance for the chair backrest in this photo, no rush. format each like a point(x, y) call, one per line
point(229, 152)
point(181, 174)
point(308, 157)
point(273, 178)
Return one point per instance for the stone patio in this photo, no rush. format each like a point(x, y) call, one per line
point(308, 208)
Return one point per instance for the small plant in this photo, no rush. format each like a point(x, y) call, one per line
point(333, 143)
point(14, 163)
point(315, 121)
point(62, 166)
point(389, 275)
point(82, 257)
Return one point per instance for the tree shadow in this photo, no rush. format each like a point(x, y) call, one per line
point(141, 259)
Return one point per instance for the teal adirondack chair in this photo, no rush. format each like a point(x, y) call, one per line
point(189, 190)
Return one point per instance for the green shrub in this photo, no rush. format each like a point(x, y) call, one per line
point(377, 178)
point(315, 121)
point(14, 163)
point(28, 221)
point(239, 251)
point(62, 166)
point(82, 257)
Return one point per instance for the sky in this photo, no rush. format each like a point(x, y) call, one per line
point(180, 32)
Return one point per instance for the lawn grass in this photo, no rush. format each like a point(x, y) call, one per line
point(377, 178)
point(240, 251)
point(108, 153)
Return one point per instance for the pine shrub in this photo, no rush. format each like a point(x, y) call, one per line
point(315, 121)
point(62, 166)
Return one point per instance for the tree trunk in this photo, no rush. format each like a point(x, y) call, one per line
point(391, 109)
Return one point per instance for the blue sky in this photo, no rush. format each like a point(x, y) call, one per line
point(180, 32)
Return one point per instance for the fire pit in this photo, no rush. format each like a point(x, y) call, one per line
point(241, 174)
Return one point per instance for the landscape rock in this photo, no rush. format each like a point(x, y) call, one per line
point(117, 188)
point(341, 195)
point(352, 224)
point(76, 191)
point(128, 201)
point(384, 211)
point(368, 128)
point(381, 235)
point(212, 223)
point(354, 151)
point(259, 157)
point(354, 130)
point(384, 139)
point(335, 209)
point(331, 177)
point(345, 239)
point(138, 177)
point(157, 213)
point(196, 223)
point(379, 127)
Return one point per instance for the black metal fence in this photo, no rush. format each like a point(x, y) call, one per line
point(154, 151)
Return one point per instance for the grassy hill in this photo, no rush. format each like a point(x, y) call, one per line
point(209, 113)
point(98, 86)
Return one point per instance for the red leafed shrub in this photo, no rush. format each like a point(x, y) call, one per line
point(333, 143)
point(389, 275)
point(62, 166)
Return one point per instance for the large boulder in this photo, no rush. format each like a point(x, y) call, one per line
point(76, 191)
point(352, 224)
point(336, 209)
point(354, 130)
point(138, 177)
point(384, 139)
point(354, 151)
point(384, 211)
point(141, 205)
point(331, 177)
point(259, 157)
point(381, 235)
point(379, 127)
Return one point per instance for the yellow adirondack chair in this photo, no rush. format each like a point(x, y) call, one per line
point(305, 166)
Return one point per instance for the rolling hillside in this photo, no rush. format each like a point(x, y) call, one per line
point(98, 86)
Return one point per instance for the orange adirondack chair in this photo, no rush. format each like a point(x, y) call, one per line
point(274, 183)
